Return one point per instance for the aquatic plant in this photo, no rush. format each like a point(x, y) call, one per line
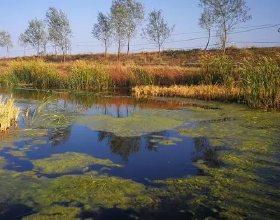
point(35, 73)
point(8, 114)
point(69, 162)
point(260, 83)
point(140, 123)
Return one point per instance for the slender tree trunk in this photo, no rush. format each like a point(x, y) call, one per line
point(209, 35)
point(128, 46)
point(24, 51)
point(8, 51)
point(119, 50)
point(64, 56)
point(159, 50)
point(225, 37)
point(106, 49)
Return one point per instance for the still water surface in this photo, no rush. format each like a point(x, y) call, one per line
point(162, 150)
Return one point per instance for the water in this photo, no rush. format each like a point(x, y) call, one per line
point(151, 146)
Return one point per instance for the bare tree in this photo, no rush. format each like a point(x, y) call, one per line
point(6, 41)
point(206, 22)
point(157, 30)
point(119, 15)
point(36, 34)
point(59, 29)
point(103, 31)
point(23, 41)
point(226, 15)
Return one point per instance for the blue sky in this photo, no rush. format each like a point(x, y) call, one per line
point(184, 14)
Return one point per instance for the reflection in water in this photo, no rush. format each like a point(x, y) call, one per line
point(126, 146)
point(93, 103)
point(59, 136)
point(205, 152)
point(123, 146)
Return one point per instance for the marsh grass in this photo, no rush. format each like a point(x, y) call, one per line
point(37, 73)
point(86, 76)
point(217, 70)
point(8, 114)
point(260, 83)
point(204, 92)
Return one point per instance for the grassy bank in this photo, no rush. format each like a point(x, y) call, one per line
point(255, 80)
point(83, 75)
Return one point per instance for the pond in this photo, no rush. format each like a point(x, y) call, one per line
point(77, 155)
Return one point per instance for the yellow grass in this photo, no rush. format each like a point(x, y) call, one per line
point(8, 113)
point(205, 92)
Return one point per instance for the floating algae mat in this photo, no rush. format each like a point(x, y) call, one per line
point(91, 157)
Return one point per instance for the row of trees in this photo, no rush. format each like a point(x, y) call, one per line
point(122, 23)
point(54, 29)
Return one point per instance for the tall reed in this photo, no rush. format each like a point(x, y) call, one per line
point(260, 83)
point(217, 70)
point(35, 73)
point(8, 114)
point(86, 75)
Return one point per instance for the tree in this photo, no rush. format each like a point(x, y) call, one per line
point(103, 31)
point(157, 30)
point(206, 22)
point(59, 29)
point(23, 41)
point(6, 41)
point(119, 15)
point(36, 34)
point(135, 17)
point(226, 15)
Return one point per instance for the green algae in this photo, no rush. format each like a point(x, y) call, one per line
point(140, 123)
point(245, 187)
point(17, 153)
point(91, 191)
point(39, 142)
point(166, 142)
point(55, 213)
point(3, 162)
point(69, 162)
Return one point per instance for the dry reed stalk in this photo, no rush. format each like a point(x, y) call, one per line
point(8, 114)
point(205, 92)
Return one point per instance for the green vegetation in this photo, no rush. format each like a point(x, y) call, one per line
point(260, 83)
point(89, 76)
point(140, 123)
point(3, 162)
point(69, 162)
point(36, 73)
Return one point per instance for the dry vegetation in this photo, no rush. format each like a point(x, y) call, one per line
point(250, 75)
point(8, 114)
point(205, 92)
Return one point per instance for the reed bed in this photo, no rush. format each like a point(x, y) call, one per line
point(260, 83)
point(36, 73)
point(255, 80)
point(8, 114)
point(85, 75)
point(204, 92)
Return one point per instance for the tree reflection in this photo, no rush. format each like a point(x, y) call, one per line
point(123, 146)
point(126, 146)
point(204, 151)
point(59, 136)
